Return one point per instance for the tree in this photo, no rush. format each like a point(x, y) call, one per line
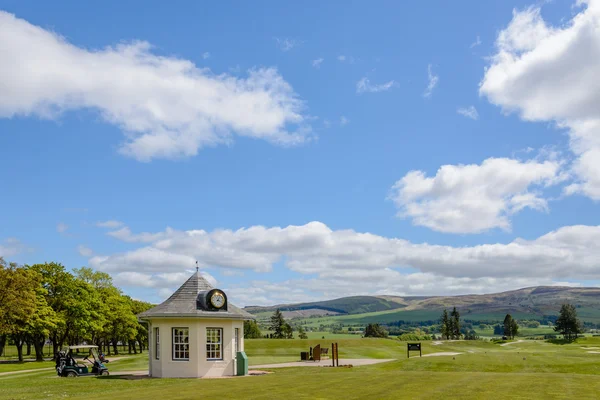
point(288, 331)
point(567, 323)
point(455, 324)
point(375, 330)
point(277, 324)
point(508, 325)
point(301, 333)
point(18, 302)
point(251, 330)
point(514, 328)
point(445, 325)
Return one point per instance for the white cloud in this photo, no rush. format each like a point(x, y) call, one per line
point(469, 112)
point(206, 55)
point(344, 121)
point(125, 235)
point(84, 251)
point(317, 63)
point(350, 258)
point(475, 198)
point(341, 58)
point(365, 85)
point(476, 43)
point(286, 44)
point(61, 227)
point(432, 82)
point(112, 224)
point(548, 73)
point(11, 247)
point(166, 106)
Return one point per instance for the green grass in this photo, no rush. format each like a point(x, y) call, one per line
point(525, 370)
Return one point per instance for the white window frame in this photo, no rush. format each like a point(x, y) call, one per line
point(214, 344)
point(180, 338)
point(236, 340)
point(157, 343)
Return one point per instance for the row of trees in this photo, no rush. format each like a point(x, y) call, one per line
point(450, 324)
point(45, 301)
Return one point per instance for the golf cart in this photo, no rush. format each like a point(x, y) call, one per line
point(68, 366)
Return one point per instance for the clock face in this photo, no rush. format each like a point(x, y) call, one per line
point(217, 300)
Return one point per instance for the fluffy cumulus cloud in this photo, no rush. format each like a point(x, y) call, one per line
point(475, 198)
point(166, 106)
point(337, 262)
point(549, 73)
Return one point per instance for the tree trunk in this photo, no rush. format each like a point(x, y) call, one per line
point(141, 347)
point(28, 347)
point(19, 342)
point(114, 343)
point(129, 346)
point(38, 344)
point(2, 343)
point(54, 346)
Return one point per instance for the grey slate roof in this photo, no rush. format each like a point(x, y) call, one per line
point(182, 303)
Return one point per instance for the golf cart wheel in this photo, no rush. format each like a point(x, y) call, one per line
point(71, 374)
point(104, 373)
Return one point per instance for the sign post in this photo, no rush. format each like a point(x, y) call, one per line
point(335, 358)
point(413, 347)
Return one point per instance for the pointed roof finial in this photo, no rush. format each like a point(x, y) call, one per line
point(197, 266)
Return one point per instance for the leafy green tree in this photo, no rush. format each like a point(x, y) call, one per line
point(288, 331)
point(514, 328)
point(301, 333)
point(70, 299)
point(567, 323)
point(277, 324)
point(251, 330)
point(18, 302)
point(375, 330)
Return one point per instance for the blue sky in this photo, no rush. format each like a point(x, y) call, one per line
point(303, 150)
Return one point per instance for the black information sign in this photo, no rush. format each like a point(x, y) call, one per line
point(413, 347)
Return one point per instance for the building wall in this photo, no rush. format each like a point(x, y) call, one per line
point(197, 366)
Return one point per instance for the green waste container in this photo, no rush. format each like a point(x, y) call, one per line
point(242, 363)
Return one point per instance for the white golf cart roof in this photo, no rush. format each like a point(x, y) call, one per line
point(82, 346)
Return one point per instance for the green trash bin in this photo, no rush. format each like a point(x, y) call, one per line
point(242, 363)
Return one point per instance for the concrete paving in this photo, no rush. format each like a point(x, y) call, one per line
point(324, 363)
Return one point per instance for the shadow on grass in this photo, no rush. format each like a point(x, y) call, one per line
point(127, 377)
point(561, 341)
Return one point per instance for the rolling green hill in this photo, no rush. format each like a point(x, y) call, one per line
point(345, 305)
point(527, 303)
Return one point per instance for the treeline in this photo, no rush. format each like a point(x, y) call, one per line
point(44, 302)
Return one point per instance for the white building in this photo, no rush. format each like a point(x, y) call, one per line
point(195, 333)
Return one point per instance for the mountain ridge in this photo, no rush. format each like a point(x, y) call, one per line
point(533, 300)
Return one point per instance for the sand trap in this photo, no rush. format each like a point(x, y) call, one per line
point(436, 343)
point(440, 354)
point(591, 348)
point(594, 352)
point(506, 344)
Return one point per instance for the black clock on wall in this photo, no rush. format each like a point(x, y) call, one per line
point(212, 300)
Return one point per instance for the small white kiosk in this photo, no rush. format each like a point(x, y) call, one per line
point(196, 333)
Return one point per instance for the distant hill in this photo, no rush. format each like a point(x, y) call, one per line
point(534, 301)
point(345, 305)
